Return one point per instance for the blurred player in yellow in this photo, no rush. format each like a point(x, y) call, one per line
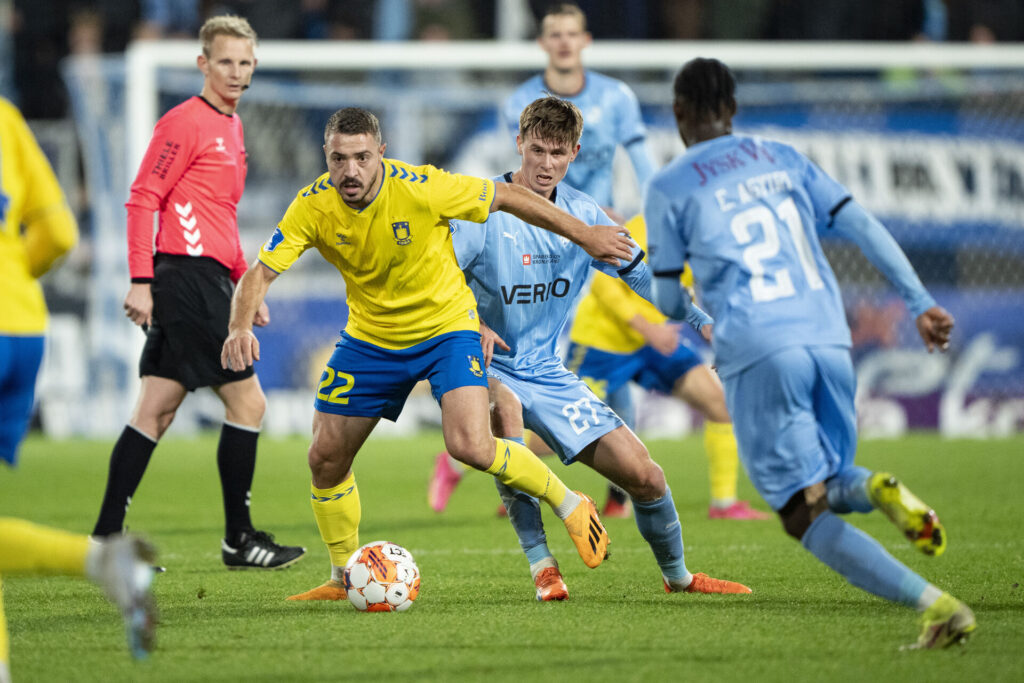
point(618, 337)
point(383, 224)
point(37, 228)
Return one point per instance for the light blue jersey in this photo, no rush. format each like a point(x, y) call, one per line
point(611, 117)
point(526, 280)
point(745, 213)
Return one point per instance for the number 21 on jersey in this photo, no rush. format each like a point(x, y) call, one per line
point(777, 284)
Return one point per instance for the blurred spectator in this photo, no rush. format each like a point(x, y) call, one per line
point(39, 31)
point(168, 19)
point(986, 21)
point(845, 20)
point(271, 19)
point(614, 19)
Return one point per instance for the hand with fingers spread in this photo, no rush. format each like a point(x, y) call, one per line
point(935, 326)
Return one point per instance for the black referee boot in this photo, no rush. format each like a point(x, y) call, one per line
point(257, 550)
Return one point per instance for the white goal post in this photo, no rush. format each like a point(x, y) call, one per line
point(144, 59)
point(928, 136)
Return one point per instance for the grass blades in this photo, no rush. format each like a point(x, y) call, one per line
point(476, 617)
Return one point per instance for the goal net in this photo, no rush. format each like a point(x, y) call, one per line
point(929, 138)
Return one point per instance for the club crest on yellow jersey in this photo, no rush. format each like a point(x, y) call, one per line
point(475, 367)
point(402, 233)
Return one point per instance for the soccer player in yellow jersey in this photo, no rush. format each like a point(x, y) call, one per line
point(37, 228)
point(618, 337)
point(383, 224)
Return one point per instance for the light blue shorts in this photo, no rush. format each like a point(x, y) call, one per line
point(561, 409)
point(794, 419)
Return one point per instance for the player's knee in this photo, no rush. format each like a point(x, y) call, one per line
point(247, 408)
point(648, 482)
point(472, 449)
point(716, 410)
point(153, 425)
point(800, 510)
point(325, 465)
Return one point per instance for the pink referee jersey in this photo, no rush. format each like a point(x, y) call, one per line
point(193, 174)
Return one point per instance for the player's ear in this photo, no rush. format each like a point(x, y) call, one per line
point(519, 144)
point(202, 63)
point(575, 151)
point(383, 147)
point(588, 38)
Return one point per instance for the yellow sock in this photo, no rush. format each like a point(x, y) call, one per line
point(517, 466)
point(27, 548)
point(337, 513)
point(723, 461)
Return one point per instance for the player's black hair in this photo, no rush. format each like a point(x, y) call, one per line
point(705, 88)
point(353, 121)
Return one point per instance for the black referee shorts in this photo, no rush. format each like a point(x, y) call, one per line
point(191, 307)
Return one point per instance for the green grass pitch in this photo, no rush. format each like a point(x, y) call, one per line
point(476, 618)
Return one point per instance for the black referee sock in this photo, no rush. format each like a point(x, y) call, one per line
point(128, 463)
point(236, 461)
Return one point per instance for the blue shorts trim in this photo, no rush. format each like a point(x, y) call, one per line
point(20, 358)
point(606, 372)
point(561, 409)
point(794, 418)
point(365, 380)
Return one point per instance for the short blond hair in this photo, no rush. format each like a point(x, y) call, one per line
point(552, 118)
point(225, 25)
point(564, 9)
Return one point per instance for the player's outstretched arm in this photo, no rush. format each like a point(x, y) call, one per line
point(607, 243)
point(856, 224)
point(935, 326)
point(241, 347)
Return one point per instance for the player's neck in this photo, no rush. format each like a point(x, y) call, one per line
point(224, 106)
point(707, 131)
point(565, 82)
point(519, 179)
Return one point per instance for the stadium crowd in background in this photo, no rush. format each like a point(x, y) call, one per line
point(41, 34)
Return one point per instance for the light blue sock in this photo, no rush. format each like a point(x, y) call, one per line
point(659, 525)
point(848, 491)
point(862, 560)
point(524, 513)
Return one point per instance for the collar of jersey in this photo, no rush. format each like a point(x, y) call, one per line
point(210, 105)
point(508, 179)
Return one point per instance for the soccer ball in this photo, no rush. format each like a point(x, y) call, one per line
point(382, 577)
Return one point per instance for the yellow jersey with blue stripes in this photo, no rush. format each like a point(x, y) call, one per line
point(36, 225)
point(403, 285)
point(602, 319)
